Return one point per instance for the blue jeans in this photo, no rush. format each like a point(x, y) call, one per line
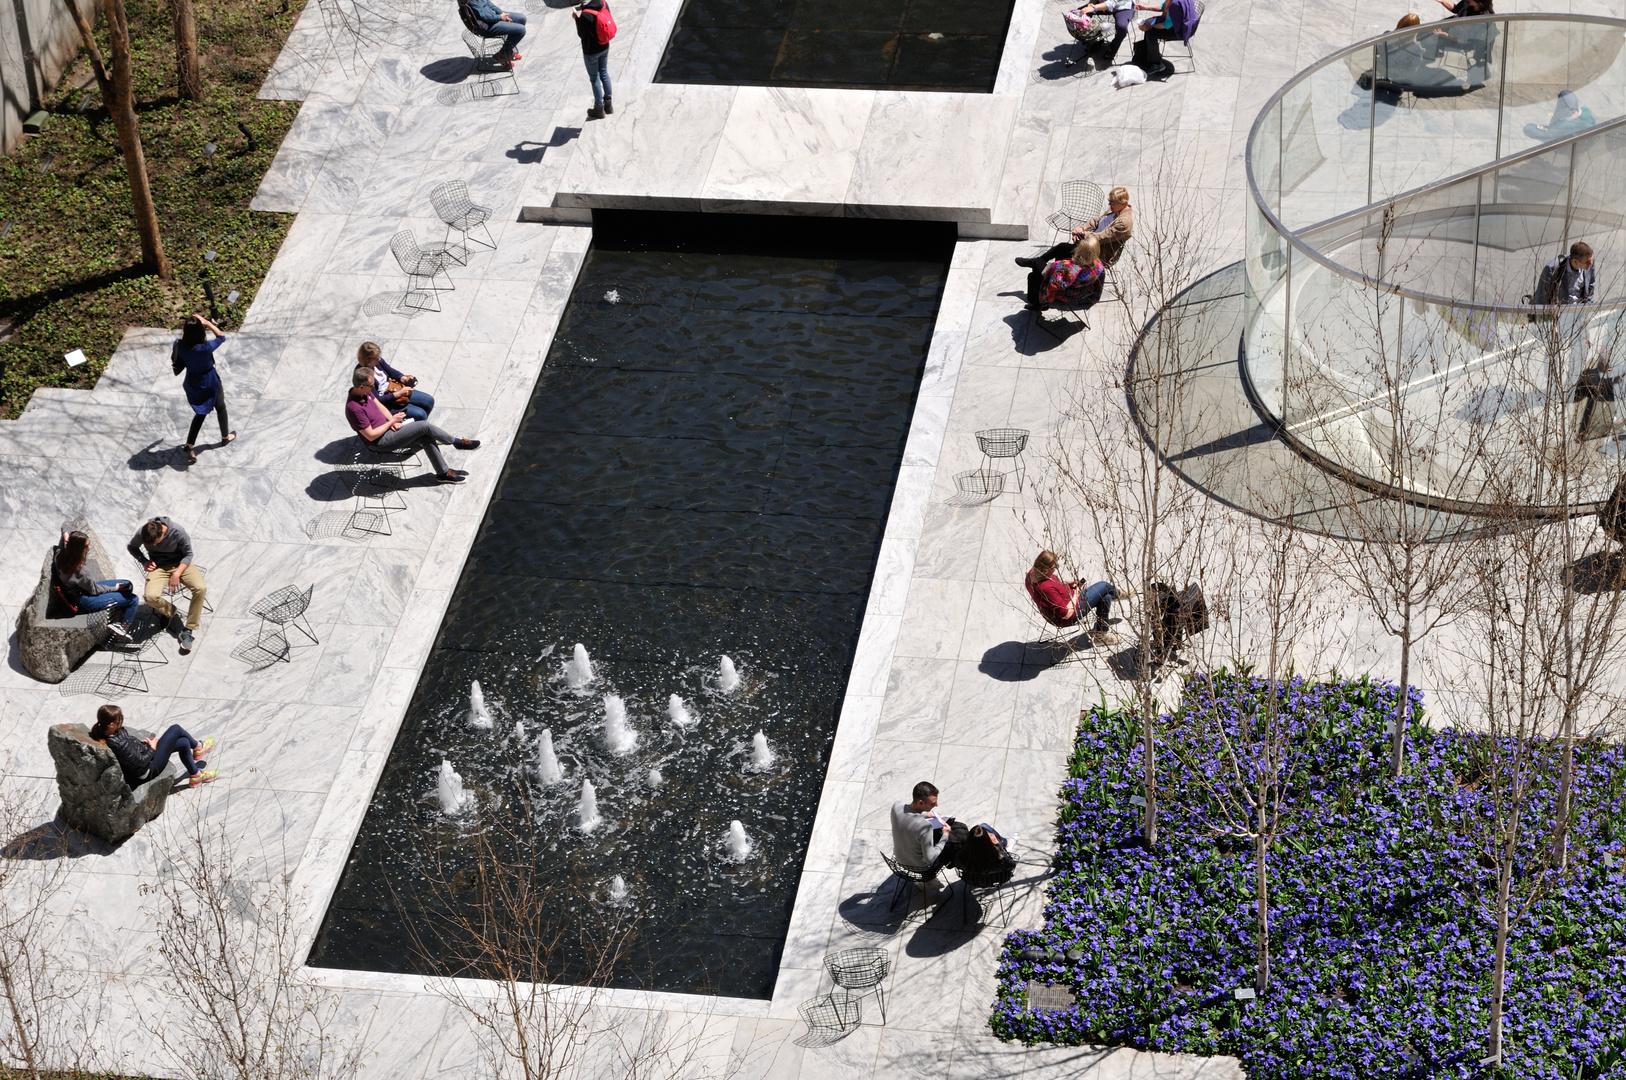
point(598, 73)
point(175, 740)
point(418, 406)
point(1099, 596)
point(127, 603)
point(512, 32)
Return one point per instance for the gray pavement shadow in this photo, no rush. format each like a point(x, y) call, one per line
point(55, 839)
point(872, 912)
point(1029, 338)
point(150, 458)
point(449, 70)
point(14, 656)
point(528, 152)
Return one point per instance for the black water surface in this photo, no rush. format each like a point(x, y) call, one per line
point(944, 45)
point(705, 469)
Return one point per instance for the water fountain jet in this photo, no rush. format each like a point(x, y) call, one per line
point(618, 888)
point(739, 845)
point(679, 712)
point(579, 668)
point(619, 738)
point(479, 715)
point(728, 680)
point(449, 787)
point(655, 778)
point(761, 757)
point(547, 762)
point(587, 818)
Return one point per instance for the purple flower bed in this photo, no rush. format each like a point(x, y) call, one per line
point(1381, 949)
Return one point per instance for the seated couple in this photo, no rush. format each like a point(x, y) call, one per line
point(1070, 275)
point(73, 592)
point(1409, 65)
point(1063, 603)
point(384, 430)
point(142, 760)
point(924, 839)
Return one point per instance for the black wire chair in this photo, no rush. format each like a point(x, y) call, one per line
point(860, 973)
point(278, 611)
point(423, 270)
point(904, 876)
point(1004, 444)
point(1081, 203)
point(830, 1017)
point(492, 77)
point(460, 213)
point(991, 884)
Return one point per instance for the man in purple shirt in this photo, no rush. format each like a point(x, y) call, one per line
point(384, 431)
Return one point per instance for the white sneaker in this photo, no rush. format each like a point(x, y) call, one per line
point(119, 630)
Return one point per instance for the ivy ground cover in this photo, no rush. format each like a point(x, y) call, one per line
point(1382, 900)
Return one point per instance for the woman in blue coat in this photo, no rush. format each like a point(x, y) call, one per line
point(202, 381)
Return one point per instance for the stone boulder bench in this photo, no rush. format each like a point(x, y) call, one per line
point(95, 797)
point(51, 648)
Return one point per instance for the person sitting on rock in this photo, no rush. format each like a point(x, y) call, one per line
point(142, 760)
point(73, 592)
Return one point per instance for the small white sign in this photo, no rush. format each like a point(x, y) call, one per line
point(74, 358)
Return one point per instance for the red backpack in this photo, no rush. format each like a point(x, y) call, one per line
point(605, 24)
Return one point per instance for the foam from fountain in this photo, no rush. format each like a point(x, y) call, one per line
point(619, 738)
point(618, 888)
point(762, 758)
point(579, 668)
point(587, 818)
point(547, 762)
point(728, 680)
point(679, 712)
point(739, 845)
point(479, 715)
point(449, 788)
point(655, 778)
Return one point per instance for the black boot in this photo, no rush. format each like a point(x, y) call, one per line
point(609, 106)
point(595, 113)
point(1032, 264)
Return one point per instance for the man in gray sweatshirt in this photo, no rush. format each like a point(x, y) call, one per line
point(168, 562)
point(921, 838)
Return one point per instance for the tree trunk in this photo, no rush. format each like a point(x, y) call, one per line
point(188, 72)
point(1149, 768)
point(1397, 749)
point(1499, 973)
point(1261, 980)
point(122, 108)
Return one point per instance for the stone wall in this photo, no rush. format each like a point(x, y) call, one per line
point(37, 43)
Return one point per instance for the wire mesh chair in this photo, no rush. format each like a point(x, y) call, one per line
point(989, 883)
point(1091, 34)
point(492, 77)
point(860, 973)
point(904, 876)
point(1081, 203)
point(184, 591)
point(1004, 444)
point(278, 611)
point(451, 201)
point(423, 270)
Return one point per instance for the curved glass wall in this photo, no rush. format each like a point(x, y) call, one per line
point(1406, 193)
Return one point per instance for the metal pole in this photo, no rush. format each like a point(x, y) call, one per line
point(1372, 126)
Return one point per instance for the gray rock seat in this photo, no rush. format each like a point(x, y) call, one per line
point(51, 648)
point(95, 797)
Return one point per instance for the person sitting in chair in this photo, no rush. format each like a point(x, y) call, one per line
point(1406, 66)
point(986, 856)
point(1122, 12)
point(1074, 281)
point(384, 431)
point(921, 837)
point(1063, 603)
point(1112, 230)
point(489, 21)
point(394, 390)
point(1178, 22)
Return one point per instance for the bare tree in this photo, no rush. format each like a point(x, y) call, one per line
point(1113, 500)
point(117, 86)
point(231, 946)
point(52, 1005)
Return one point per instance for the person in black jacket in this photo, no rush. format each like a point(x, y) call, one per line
point(596, 55)
point(74, 593)
point(1567, 279)
point(142, 760)
point(986, 856)
point(490, 21)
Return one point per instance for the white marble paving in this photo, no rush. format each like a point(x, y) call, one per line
point(939, 688)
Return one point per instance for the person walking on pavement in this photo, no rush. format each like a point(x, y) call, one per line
point(596, 26)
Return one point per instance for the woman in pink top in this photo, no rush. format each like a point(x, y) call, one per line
point(1062, 603)
point(384, 431)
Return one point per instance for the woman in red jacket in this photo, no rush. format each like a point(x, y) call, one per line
point(1063, 603)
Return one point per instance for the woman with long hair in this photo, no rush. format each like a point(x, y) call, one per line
point(203, 390)
point(1063, 603)
point(73, 592)
point(142, 760)
point(395, 391)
